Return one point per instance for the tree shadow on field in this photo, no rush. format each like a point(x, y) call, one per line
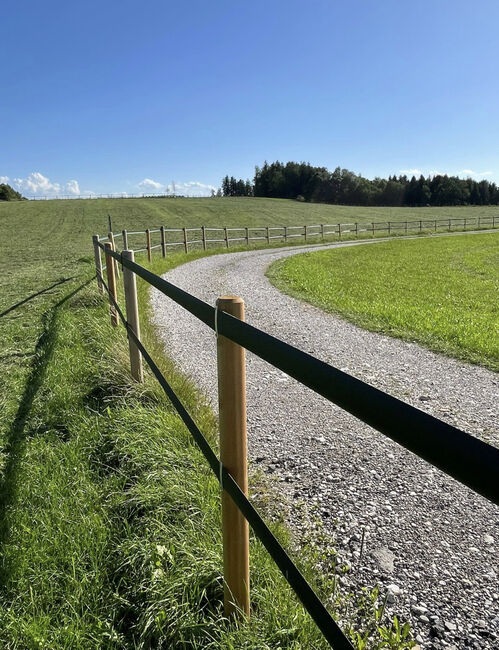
point(34, 295)
point(15, 437)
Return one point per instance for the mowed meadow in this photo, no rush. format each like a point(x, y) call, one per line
point(441, 292)
point(109, 519)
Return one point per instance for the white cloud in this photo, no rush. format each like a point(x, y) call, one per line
point(37, 183)
point(149, 184)
point(410, 172)
point(191, 188)
point(469, 173)
point(4, 179)
point(72, 187)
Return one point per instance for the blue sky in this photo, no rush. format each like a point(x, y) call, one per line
point(107, 96)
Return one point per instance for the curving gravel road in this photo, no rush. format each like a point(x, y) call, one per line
point(429, 542)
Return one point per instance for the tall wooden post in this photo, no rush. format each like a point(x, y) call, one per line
point(125, 239)
point(226, 237)
point(203, 237)
point(420, 225)
point(305, 233)
point(356, 229)
point(389, 228)
point(322, 231)
point(465, 224)
point(449, 225)
point(186, 244)
point(406, 227)
point(98, 262)
point(285, 234)
point(110, 236)
point(267, 234)
point(233, 455)
point(372, 224)
point(163, 241)
point(111, 284)
point(148, 244)
point(246, 230)
point(132, 317)
point(339, 231)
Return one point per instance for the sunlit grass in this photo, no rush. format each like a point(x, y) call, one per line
point(440, 292)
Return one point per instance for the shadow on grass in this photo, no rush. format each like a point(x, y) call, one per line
point(15, 437)
point(34, 295)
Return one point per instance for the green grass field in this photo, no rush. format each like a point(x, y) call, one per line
point(109, 519)
point(440, 292)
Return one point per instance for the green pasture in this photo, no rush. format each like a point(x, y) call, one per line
point(441, 292)
point(109, 518)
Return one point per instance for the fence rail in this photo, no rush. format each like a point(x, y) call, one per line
point(462, 456)
point(200, 237)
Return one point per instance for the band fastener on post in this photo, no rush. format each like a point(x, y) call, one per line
point(216, 321)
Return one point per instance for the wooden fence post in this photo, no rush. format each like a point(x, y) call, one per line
point(465, 224)
point(186, 243)
point(233, 455)
point(285, 234)
point(406, 227)
point(132, 317)
point(148, 244)
point(98, 262)
point(479, 222)
point(356, 229)
point(420, 225)
point(247, 236)
point(226, 237)
point(203, 237)
point(389, 228)
point(372, 224)
point(111, 284)
point(124, 234)
point(449, 224)
point(110, 236)
point(305, 233)
point(268, 235)
point(322, 231)
point(163, 241)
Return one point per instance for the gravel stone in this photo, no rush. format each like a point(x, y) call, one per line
point(326, 459)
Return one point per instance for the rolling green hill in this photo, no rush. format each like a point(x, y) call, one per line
point(91, 557)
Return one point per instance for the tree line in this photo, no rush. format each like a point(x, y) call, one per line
point(305, 182)
point(233, 187)
point(8, 193)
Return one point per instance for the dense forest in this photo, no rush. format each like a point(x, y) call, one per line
point(304, 182)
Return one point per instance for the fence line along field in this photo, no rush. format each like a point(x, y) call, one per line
point(439, 292)
point(93, 467)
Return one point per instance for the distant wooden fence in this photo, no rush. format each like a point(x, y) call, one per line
point(203, 237)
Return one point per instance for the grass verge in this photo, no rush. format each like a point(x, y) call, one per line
point(110, 522)
point(440, 292)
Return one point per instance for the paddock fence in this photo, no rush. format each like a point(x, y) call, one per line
point(204, 237)
point(462, 456)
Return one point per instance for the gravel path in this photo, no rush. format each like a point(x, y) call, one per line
point(429, 542)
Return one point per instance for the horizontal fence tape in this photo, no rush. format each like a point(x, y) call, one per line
point(312, 603)
point(464, 457)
